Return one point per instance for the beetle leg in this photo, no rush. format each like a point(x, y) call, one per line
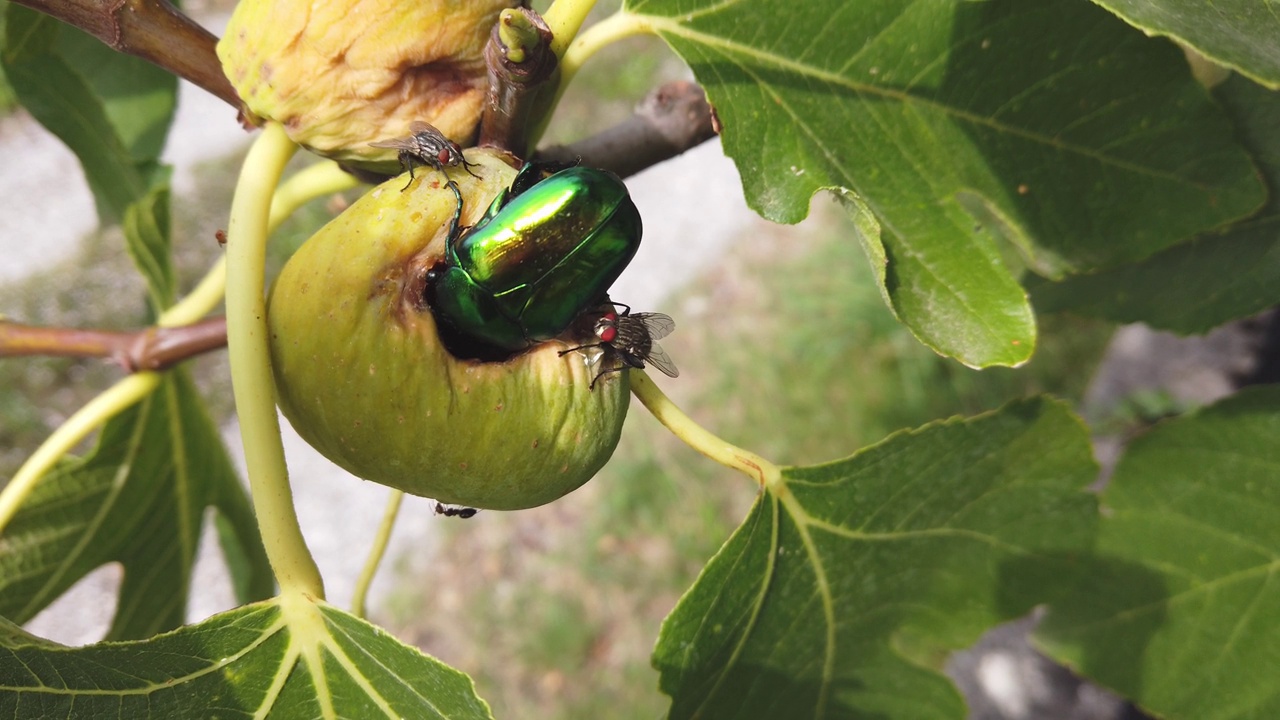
point(456, 221)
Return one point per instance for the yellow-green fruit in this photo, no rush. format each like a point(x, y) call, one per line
point(338, 75)
point(362, 376)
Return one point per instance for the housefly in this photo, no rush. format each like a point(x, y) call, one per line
point(630, 341)
point(426, 146)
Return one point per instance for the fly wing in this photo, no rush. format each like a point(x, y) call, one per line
point(659, 325)
point(418, 127)
point(396, 144)
point(658, 358)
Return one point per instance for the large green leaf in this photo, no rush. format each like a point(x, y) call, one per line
point(1237, 33)
point(137, 499)
point(1217, 277)
point(139, 98)
point(1182, 609)
point(112, 110)
point(842, 594)
point(1049, 125)
point(291, 657)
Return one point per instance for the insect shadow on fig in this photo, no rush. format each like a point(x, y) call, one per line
point(630, 341)
point(427, 146)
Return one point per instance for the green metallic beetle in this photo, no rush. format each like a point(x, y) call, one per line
point(544, 251)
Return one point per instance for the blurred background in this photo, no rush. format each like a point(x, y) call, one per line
point(784, 346)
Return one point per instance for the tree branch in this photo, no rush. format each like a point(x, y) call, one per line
point(153, 30)
point(520, 62)
point(154, 348)
point(670, 120)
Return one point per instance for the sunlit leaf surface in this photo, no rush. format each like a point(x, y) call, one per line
point(967, 128)
point(843, 592)
point(290, 657)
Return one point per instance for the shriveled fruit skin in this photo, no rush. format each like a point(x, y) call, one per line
point(338, 75)
point(362, 376)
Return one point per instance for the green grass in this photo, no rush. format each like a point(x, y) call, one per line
point(555, 610)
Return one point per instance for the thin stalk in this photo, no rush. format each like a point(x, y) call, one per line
point(564, 18)
point(376, 553)
point(308, 184)
point(251, 379)
point(116, 399)
point(768, 475)
point(619, 26)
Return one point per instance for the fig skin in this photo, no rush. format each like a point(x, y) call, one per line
point(340, 74)
point(362, 376)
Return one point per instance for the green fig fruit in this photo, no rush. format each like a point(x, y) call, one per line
point(362, 375)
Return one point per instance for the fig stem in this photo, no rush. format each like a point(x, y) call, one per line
point(322, 178)
point(514, 85)
point(317, 180)
point(565, 18)
point(768, 475)
point(251, 380)
point(616, 27)
point(376, 553)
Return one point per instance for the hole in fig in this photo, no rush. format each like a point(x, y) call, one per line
point(456, 342)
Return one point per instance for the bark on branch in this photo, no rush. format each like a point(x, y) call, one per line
point(153, 348)
point(520, 62)
point(153, 30)
point(670, 120)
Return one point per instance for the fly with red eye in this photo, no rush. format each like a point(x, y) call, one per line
point(426, 146)
point(630, 341)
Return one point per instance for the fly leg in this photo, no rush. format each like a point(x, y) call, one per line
point(602, 373)
point(580, 347)
point(467, 166)
point(406, 161)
